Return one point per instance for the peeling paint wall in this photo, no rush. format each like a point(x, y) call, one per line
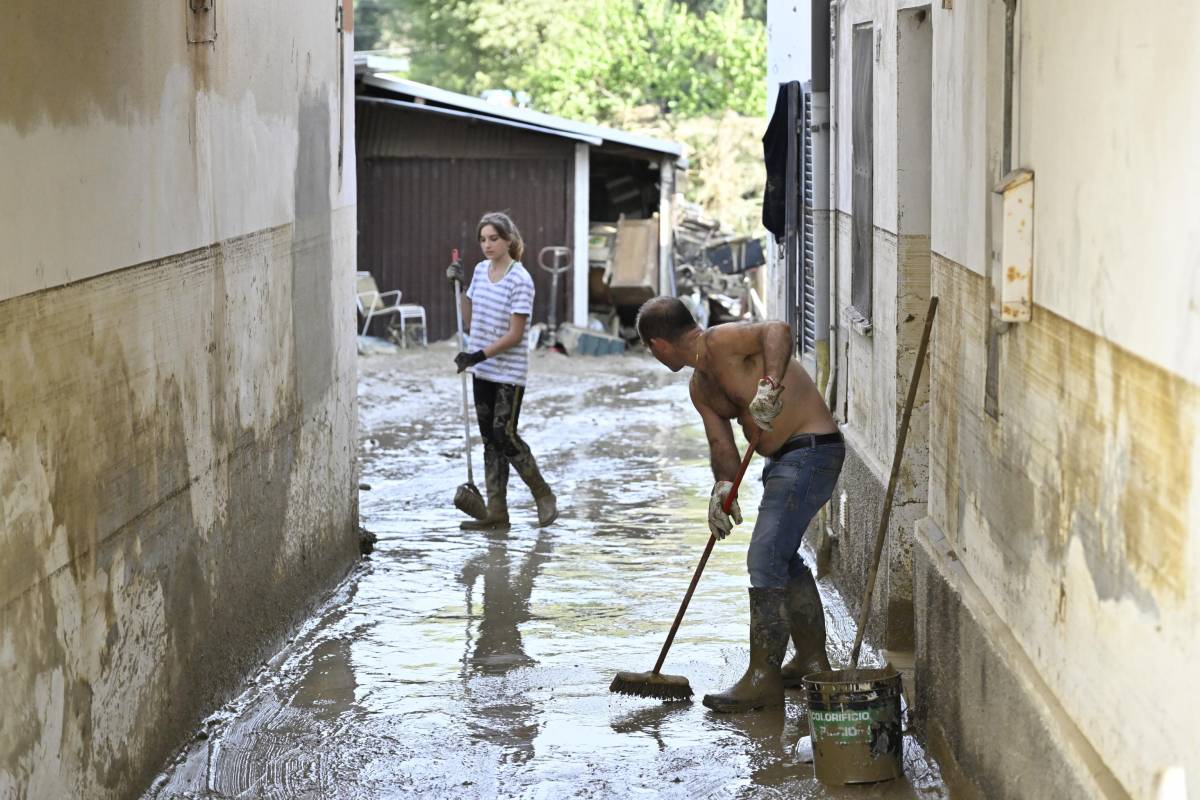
point(176, 371)
point(1075, 515)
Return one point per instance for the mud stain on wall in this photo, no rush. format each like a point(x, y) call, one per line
point(312, 257)
point(150, 442)
point(110, 59)
point(1093, 442)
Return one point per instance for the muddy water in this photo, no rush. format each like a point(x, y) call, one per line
point(460, 664)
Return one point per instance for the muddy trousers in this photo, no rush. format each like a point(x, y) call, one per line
point(498, 409)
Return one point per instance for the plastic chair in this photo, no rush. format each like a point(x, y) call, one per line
point(374, 303)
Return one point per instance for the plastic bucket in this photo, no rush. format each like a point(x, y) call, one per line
point(854, 719)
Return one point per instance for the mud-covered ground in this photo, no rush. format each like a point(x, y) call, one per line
point(463, 664)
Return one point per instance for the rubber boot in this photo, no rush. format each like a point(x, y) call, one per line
point(547, 507)
point(525, 465)
point(495, 469)
point(807, 622)
point(762, 685)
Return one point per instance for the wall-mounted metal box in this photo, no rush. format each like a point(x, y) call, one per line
point(201, 21)
point(1013, 273)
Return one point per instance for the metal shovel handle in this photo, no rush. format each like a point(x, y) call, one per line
point(462, 345)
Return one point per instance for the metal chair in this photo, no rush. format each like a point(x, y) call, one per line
point(374, 303)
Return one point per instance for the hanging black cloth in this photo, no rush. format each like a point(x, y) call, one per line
point(775, 150)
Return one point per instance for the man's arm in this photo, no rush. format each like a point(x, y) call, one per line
point(722, 449)
point(776, 338)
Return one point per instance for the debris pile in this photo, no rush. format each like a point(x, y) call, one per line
point(713, 268)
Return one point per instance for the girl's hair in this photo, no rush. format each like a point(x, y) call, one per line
point(507, 230)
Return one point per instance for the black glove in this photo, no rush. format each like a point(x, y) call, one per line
point(464, 360)
point(454, 272)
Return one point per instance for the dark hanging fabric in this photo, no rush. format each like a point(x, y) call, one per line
point(775, 147)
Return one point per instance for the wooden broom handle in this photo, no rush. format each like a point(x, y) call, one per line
point(708, 548)
point(864, 611)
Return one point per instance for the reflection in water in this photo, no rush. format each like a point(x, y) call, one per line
point(329, 685)
point(650, 721)
point(504, 718)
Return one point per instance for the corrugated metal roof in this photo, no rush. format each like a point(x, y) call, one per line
point(390, 130)
point(451, 112)
point(551, 123)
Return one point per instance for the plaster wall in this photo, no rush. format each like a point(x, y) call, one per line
point(1075, 513)
point(177, 371)
point(789, 45)
point(789, 58)
point(1107, 119)
point(122, 143)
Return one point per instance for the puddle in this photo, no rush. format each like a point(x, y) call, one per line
point(461, 664)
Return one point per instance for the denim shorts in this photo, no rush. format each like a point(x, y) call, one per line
point(795, 487)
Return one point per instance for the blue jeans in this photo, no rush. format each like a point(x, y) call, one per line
point(795, 486)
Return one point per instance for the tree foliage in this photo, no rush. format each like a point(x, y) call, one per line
point(588, 59)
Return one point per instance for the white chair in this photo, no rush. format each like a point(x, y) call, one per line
point(374, 303)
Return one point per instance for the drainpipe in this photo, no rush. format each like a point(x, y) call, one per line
point(819, 120)
point(997, 328)
point(1010, 16)
point(832, 192)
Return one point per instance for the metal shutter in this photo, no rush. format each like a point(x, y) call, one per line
point(808, 282)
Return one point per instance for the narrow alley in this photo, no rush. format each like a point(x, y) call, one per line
point(462, 664)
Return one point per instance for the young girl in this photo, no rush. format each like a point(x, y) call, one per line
point(496, 311)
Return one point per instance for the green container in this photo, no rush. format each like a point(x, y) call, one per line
point(854, 719)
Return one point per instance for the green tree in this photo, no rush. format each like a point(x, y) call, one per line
point(592, 59)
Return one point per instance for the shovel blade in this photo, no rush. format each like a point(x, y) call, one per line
point(468, 500)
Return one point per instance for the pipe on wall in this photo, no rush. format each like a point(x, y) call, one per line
point(833, 190)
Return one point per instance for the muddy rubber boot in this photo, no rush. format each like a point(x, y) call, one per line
point(807, 623)
point(526, 466)
point(495, 469)
point(547, 507)
point(762, 685)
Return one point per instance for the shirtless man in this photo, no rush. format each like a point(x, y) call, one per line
point(745, 371)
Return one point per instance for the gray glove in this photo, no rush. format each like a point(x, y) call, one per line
point(767, 403)
point(719, 523)
point(454, 272)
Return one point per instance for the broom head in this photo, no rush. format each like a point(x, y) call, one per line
point(652, 684)
point(468, 500)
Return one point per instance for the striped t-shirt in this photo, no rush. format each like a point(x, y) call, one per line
point(492, 307)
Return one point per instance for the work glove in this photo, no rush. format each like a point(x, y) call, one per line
point(767, 403)
point(720, 523)
point(464, 360)
point(454, 272)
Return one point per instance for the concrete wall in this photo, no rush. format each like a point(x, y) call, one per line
point(1058, 558)
point(177, 382)
point(789, 58)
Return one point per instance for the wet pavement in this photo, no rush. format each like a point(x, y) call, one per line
point(465, 664)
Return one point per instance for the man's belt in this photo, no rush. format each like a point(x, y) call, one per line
point(802, 440)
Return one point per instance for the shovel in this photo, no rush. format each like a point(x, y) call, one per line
point(467, 498)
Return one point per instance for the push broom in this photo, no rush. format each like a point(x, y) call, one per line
point(467, 497)
point(655, 683)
